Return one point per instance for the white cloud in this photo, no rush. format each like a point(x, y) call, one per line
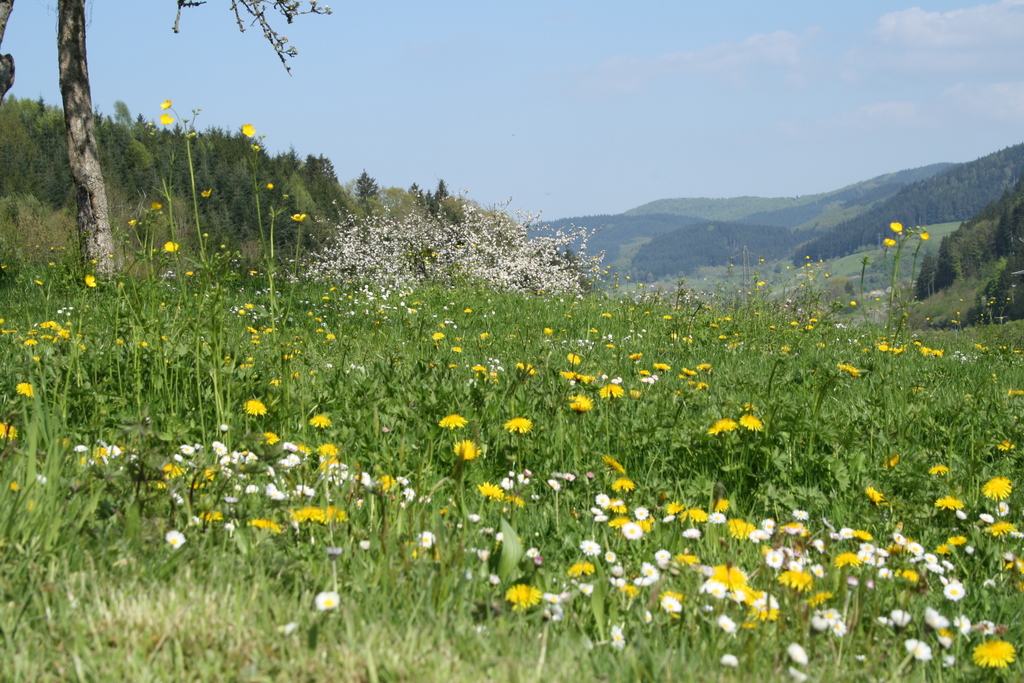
point(968, 40)
point(729, 63)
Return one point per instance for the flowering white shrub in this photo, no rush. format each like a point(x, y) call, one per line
point(488, 247)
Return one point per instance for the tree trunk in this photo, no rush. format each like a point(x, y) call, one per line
point(96, 240)
point(6, 61)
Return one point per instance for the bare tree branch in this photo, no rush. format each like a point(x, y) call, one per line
point(250, 13)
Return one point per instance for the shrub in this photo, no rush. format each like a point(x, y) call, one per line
point(489, 247)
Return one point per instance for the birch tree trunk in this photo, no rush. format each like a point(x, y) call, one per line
point(95, 238)
point(6, 61)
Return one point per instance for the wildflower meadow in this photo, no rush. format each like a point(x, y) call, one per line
point(211, 470)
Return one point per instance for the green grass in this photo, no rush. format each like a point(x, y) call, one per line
point(128, 377)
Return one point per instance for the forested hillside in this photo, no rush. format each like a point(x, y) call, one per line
point(710, 243)
point(989, 249)
point(955, 195)
point(146, 164)
point(617, 234)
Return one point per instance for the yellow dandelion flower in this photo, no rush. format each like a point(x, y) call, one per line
point(849, 369)
point(740, 529)
point(874, 495)
point(467, 450)
point(1005, 445)
point(697, 515)
point(721, 505)
point(623, 484)
point(819, 598)
point(255, 407)
point(995, 654)
point(8, 431)
point(270, 438)
point(800, 581)
point(724, 425)
point(580, 404)
point(956, 540)
point(581, 569)
point(25, 389)
point(751, 423)
point(611, 391)
point(949, 503)
point(320, 421)
point(997, 488)
point(518, 425)
point(490, 491)
point(309, 514)
point(847, 559)
point(613, 464)
point(453, 421)
point(574, 359)
point(328, 450)
point(1000, 529)
point(730, 576)
point(268, 524)
point(939, 470)
point(662, 367)
point(705, 367)
point(674, 508)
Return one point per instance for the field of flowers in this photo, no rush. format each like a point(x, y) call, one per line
point(208, 478)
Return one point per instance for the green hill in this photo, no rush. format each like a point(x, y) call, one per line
point(791, 212)
point(622, 235)
point(957, 194)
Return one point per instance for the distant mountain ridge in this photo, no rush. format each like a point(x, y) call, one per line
point(622, 236)
point(790, 212)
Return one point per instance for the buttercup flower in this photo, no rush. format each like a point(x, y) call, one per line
point(248, 130)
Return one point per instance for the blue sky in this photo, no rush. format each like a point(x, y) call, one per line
point(574, 108)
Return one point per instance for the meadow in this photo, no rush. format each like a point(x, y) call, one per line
point(218, 469)
point(202, 481)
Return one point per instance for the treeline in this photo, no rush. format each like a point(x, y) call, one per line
point(990, 247)
point(956, 195)
point(710, 243)
point(145, 164)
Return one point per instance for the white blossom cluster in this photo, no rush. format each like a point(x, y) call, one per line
point(489, 247)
